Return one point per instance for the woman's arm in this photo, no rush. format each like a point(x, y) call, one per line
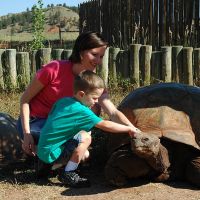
point(114, 114)
point(32, 90)
point(117, 128)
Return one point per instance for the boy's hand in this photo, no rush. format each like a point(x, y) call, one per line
point(134, 131)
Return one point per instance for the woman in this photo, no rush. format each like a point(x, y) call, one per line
point(54, 81)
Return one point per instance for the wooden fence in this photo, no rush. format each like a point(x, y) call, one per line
point(137, 64)
point(153, 22)
point(24, 46)
point(17, 68)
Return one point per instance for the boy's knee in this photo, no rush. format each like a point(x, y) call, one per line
point(86, 156)
point(86, 137)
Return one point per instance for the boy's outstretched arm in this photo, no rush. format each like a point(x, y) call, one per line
point(117, 128)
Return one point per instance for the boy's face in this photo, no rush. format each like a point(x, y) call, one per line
point(89, 99)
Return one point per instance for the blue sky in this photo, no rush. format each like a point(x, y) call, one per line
point(16, 6)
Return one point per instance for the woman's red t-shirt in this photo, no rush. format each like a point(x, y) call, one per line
point(58, 80)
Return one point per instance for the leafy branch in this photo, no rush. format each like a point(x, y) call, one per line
point(38, 26)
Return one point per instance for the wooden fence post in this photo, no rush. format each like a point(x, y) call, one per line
point(146, 51)
point(126, 61)
point(1, 69)
point(187, 65)
point(124, 64)
point(156, 66)
point(23, 69)
point(135, 63)
point(103, 69)
point(197, 66)
point(33, 64)
point(10, 69)
point(113, 52)
point(57, 54)
point(43, 57)
point(176, 63)
point(119, 65)
point(66, 54)
point(166, 63)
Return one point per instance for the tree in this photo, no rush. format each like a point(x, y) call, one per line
point(13, 19)
point(57, 16)
point(4, 23)
point(38, 25)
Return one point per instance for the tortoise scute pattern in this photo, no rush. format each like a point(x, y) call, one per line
point(10, 145)
point(176, 105)
point(170, 112)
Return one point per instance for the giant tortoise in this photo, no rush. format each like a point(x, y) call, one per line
point(10, 144)
point(168, 148)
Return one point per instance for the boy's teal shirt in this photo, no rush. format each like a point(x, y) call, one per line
point(67, 117)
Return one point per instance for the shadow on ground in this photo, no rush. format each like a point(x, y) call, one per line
point(22, 173)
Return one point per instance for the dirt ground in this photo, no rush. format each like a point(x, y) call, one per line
point(19, 183)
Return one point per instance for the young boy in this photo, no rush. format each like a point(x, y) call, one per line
point(66, 129)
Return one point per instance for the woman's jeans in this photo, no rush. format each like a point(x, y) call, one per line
point(36, 124)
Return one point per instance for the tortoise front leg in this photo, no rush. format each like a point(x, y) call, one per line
point(124, 165)
point(193, 171)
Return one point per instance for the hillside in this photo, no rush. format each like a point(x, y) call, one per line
point(55, 17)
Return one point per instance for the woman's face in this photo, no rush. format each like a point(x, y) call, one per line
point(92, 57)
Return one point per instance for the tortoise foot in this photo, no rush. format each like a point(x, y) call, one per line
point(162, 177)
point(193, 171)
point(124, 165)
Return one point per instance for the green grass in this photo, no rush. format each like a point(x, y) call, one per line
point(9, 103)
point(25, 37)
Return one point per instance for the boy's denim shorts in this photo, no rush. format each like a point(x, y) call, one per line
point(69, 147)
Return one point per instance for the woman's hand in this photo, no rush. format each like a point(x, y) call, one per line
point(28, 145)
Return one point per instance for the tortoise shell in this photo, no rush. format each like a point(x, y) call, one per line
point(10, 144)
point(169, 110)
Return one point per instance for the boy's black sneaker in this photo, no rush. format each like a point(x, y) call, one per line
point(72, 179)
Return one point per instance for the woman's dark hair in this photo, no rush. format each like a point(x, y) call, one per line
point(85, 41)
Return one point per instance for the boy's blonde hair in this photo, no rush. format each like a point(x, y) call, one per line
point(88, 81)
